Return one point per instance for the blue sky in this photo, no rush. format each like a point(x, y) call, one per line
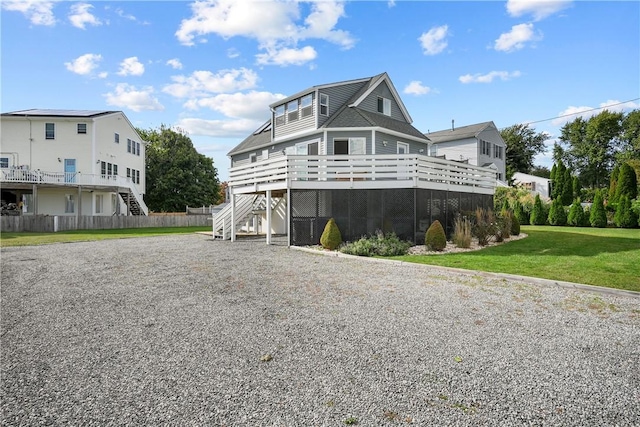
point(212, 67)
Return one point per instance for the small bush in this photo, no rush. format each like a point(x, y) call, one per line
point(515, 226)
point(484, 226)
point(379, 244)
point(331, 236)
point(462, 232)
point(436, 239)
point(576, 214)
point(557, 214)
point(625, 216)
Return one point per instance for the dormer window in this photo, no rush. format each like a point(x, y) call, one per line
point(324, 104)
point(306, 108)
point(292, 111)
point(384, 106)
point(279, 115)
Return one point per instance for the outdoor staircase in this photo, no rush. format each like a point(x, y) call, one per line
point(131, 200)
point(246, 206)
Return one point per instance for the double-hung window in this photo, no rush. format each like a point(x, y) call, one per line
point(384, 106)
point(50, 131)
point(306, 107)
point(292, 111)
point(69, 205)
point(116, 138)
point(4, 162)
point(279, 115)
point(129, 145)
point(324, 104)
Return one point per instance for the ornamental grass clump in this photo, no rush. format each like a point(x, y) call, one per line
point(436, 239)
point(462, 232)
point(331, 236)
point(484, 226)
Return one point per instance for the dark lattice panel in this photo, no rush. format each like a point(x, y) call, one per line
point(304, 204)
point(398, 212)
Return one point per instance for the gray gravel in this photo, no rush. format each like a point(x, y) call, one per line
point(182, 330)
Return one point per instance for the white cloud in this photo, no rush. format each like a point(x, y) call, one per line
point(275, 25)
point(84, 64)
point(131, 67)
point(416, 88)
point(127, 96)
point(516, 38)
point(36, 11)
point(287, 56)
point(175, 64)
point(250, 105)
point(202, 83)
point(80, 15)
point(489, 77)
point(571, 113)
point(233, 53)
point(434, 41)
point(539, 9)
point(391, 3)
point(218, 128)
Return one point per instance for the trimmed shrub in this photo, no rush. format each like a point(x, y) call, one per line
point(625, 217)
point(598, 216)
point(576, 215)
point(537, 213)
point(436, 239)
point(557, 214)
point(379, 244)
point(331, 236)
point(627, 183)
point(462, 232)
point(520, 213)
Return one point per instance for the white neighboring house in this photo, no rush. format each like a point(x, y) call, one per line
point(535, 184)
point(72, 162)
point(480, 144)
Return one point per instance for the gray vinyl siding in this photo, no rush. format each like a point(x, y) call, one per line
point(338, 96)
point(392, 145)
point(370, 103)
point(462, 149)
point(275, 150)
point(345, 135)
point(491, 135)
point(301, 124)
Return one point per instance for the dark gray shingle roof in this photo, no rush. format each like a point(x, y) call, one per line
point(59, 113)
point(461, 132)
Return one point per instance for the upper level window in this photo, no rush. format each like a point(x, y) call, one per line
point(433, 150)
point(129, 145)
point(82, 128)
point(4, 162)
point(324, 104)
point(384, 106)
point(137, 148)
point(486, 147)
point(306, 108)
point(292, 111)
point(497, 151)
point(279, 115)
point(116, 138)
point(49, 130)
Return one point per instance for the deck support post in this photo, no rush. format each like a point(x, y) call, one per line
point(268, 217)
point(233, 217)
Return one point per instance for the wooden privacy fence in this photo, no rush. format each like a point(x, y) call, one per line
point(50, 224)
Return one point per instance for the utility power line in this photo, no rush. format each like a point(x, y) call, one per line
point(582, 112)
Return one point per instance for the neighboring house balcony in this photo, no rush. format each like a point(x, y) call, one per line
point(360, 172)
point(20, 177)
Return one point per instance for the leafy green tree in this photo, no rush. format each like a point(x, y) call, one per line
point(627, 184)
point(557, 214)
point(541, 171)
point(598, 216)
point(613, 183)
point(538, 216)
point(523, 143)
point(177, 175)
point(630, 136)
point(576, 215)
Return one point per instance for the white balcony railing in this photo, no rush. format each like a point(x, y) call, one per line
point(363, 171)
point(35, 176)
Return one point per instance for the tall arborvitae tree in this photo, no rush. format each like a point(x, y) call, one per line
point(576, 187)
point(598, 216)
point(567, 188)
point(552, 178)
point(613, 183)
point(576, 214)
point(557, 214)
point(627, 184)
point(538, 216)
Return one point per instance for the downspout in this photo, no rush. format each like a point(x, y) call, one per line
point(26, 116)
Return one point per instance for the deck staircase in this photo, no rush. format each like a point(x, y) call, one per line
point(135, 205)
point(246, 206)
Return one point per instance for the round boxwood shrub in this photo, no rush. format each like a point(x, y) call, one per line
point(331, 236)
point(435, 238)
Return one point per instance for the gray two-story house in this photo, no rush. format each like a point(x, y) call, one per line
point(348, 151)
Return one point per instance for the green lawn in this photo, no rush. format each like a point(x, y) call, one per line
point(596, 256)
point(28, 239)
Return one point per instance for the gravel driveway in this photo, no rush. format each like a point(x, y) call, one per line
point(182, 330)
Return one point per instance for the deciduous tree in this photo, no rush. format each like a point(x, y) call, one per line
point(523, 143)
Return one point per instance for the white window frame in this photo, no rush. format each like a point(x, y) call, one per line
point(292, 113)
point(386, 106)
point(99, 203)
point(279, 115)
point(402, 145)
point(69, 203)
point(4, 162)
point(116, 138)
point(356, 145)
point(306, 106)
point(324, 102)
point(253, 157)
point(49, 131)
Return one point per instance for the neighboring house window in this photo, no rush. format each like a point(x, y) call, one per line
point(128, 172)
point(69, 206)
point(292, 111)
point(109, 169)
point(306, 107)
point(116, 138)
point(137, 148)
point(115, 170)
point(497, 151)
point(279, 115)
point(499, 176)
point(384, 106)
point(49, 130)
point(137, 177)
point(324, 104)
point(486, 148)
point(99, 203)
point(103, 168)
point(433, 150)
point(4, 162)
point(128, 145)
point(253, 157)
point(82, 128)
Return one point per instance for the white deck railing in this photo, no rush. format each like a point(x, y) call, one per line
point(362, 171)
point(73, 179)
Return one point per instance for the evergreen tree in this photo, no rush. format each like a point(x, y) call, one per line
point(519, 212)
point(625, 217)
point(552, 178)
point(557, 215)
point(567, 188)
point(598, 216)
point(576, 214)
point(613, 183)
point(627, 183)
point(576, 187)
point(537, 213)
